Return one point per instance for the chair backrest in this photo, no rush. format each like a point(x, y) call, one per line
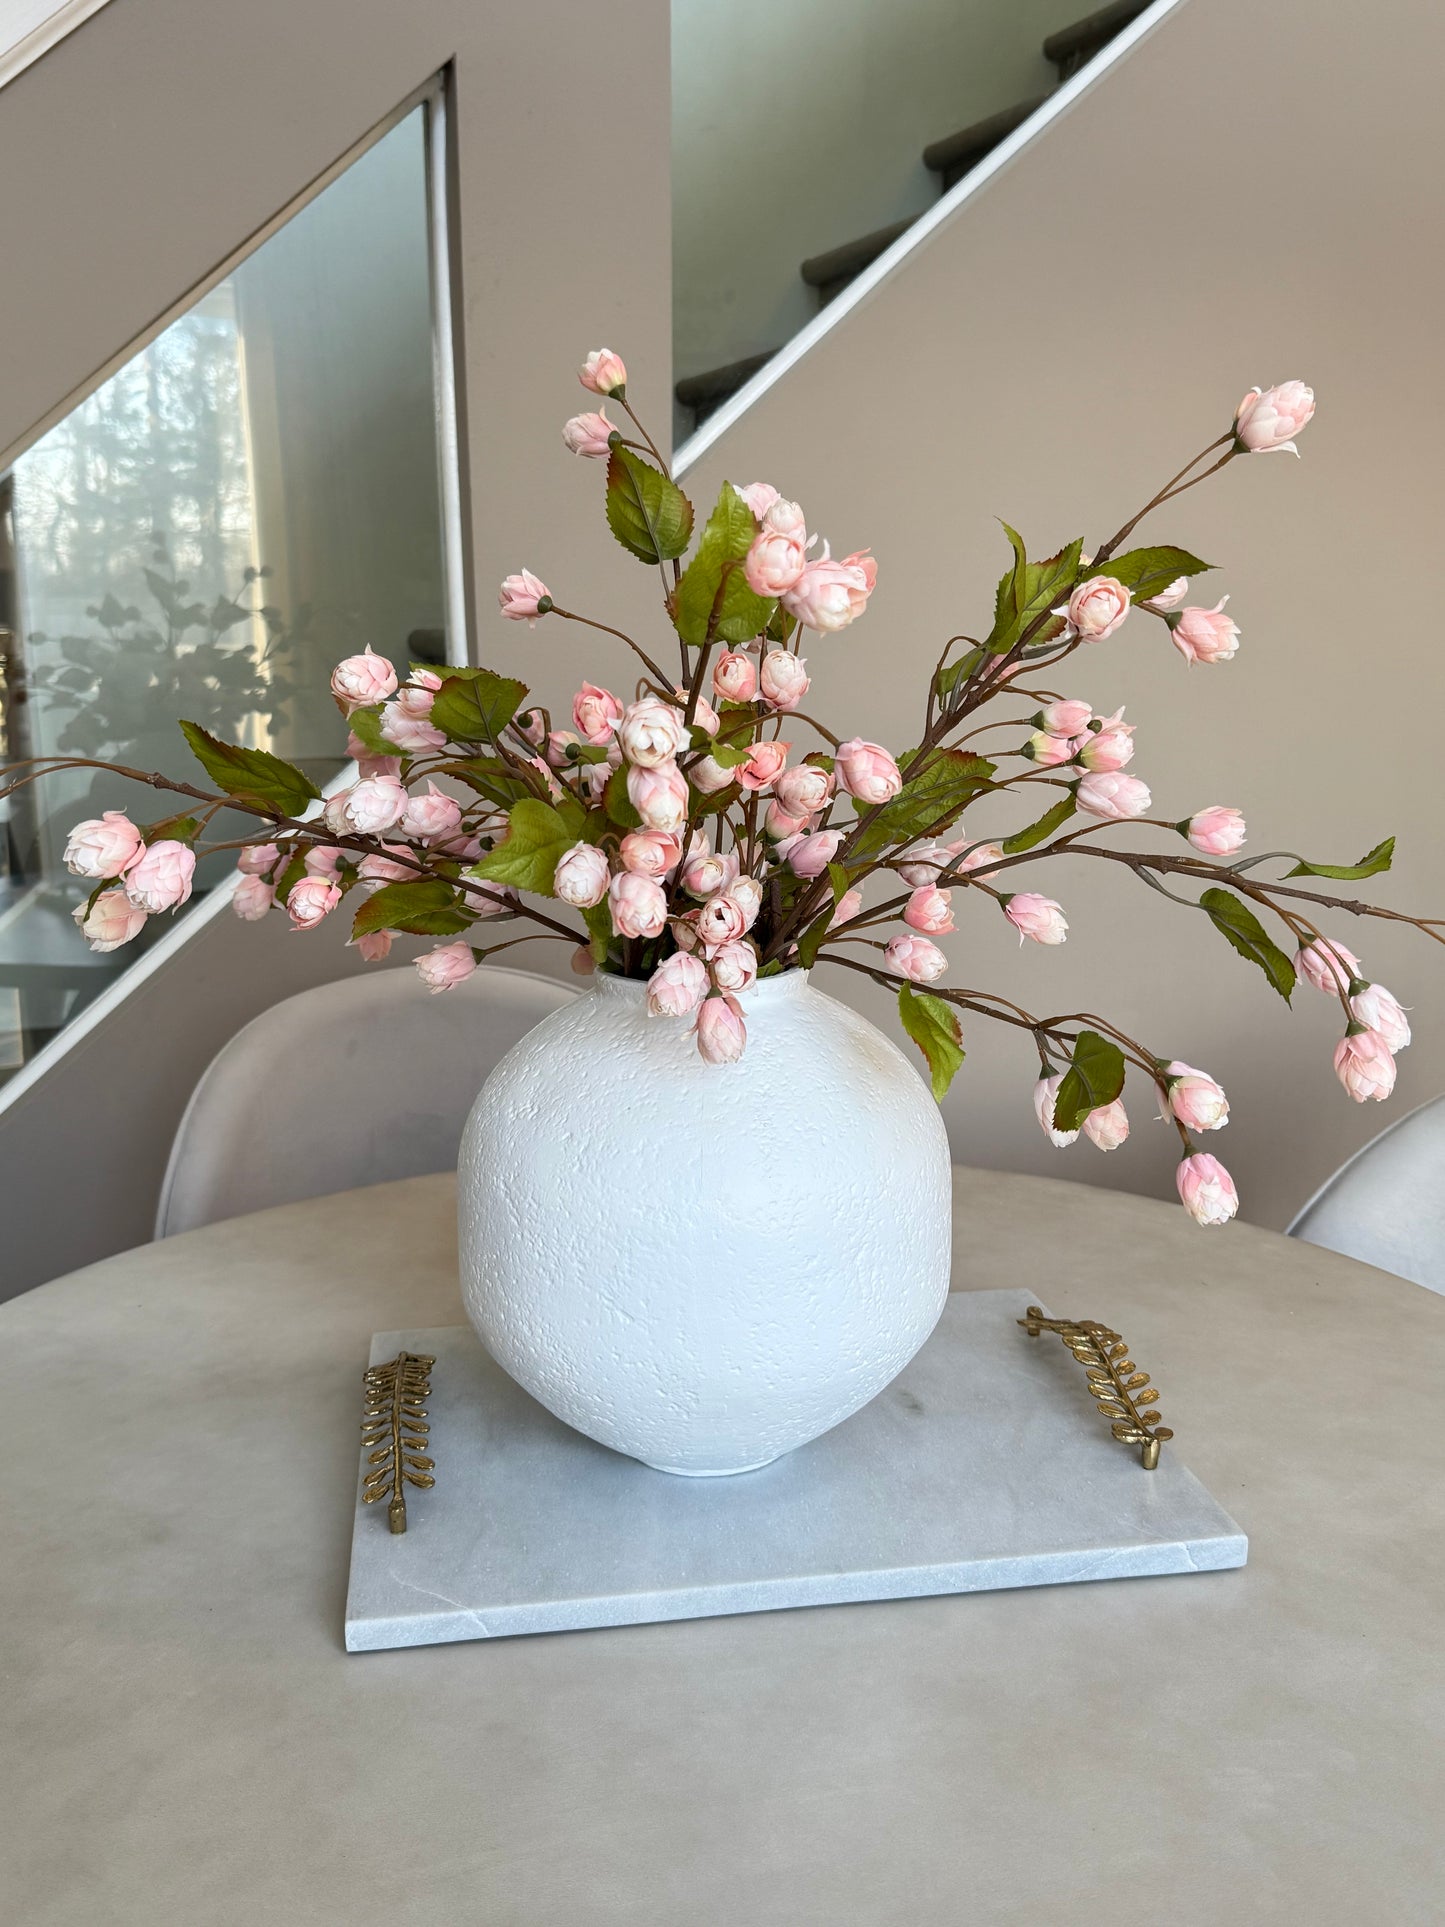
point(349, 1084)
point(1386, 1205)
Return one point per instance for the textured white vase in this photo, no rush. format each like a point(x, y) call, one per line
point(703, 1265)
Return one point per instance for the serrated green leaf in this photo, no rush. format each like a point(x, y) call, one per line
point(598, 919)
point(290, 877)
point(1030, 838)
point(252, 776)
point(1029, 591)
point(1094, 1078)
point(1380, 858)
point(838, 877)
point(728, 755)
point(618, 803)
point(1234, 919)
point(1147, 571)
point(928, 802)
point(713, 600)
point(934, 1027)
point(649, 515)
point(173, 829)
point(475, 705)
point(528, 855)
point(365, 726)
point(427, 908)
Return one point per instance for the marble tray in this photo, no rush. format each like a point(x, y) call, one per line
point(984, 1465)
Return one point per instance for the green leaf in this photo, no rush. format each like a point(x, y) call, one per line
point(1093, 1079)
point(426, 908)
point(475, 705)
point(1147, 571)
point(1234, 920)
point(713, 599)
point(528, 855)
point(251, 775)
point(489, 776)
point(933, 1025)
point(598, 919)
point(728, 755)
point(1029, 591)
point(930, 801)
point(953, 673)
point(176, 829)
point(649, 515)
point(618, 803)
point(1380, 858)
point(290, 876)
point(1035, 834)
point(365, 726)
point(838, 877)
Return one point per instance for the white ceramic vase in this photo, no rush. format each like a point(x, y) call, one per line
point(700, 1265)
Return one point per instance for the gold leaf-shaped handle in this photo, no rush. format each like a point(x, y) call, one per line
point(1120, 1389)
point(396, 1425)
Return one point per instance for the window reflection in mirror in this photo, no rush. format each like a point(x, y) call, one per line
point(253, 495)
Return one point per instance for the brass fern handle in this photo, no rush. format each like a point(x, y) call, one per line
point(1122, 1392)
point(394, 1433)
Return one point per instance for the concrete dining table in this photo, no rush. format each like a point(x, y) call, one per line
point(187, 1744)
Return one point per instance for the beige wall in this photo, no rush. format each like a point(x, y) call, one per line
point(142, 151)
point(1255, 193)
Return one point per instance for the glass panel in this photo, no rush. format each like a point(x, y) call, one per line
point(252, 496)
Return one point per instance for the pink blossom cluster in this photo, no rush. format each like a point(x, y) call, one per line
point(1377, 1027)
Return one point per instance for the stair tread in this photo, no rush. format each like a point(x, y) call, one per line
point(716, 384)
point(1093, 30)
point(853, 256)
point(980, 135)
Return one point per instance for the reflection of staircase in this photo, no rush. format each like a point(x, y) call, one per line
point(951, 158)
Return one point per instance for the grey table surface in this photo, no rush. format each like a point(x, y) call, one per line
point(185, 1743)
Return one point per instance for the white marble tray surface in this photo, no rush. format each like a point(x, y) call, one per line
point(984, 1465)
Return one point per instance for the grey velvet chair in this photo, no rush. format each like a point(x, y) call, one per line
point(1386, 1204)
point(349, 1084)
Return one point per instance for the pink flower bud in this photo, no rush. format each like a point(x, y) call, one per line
point(1206, 1189)
point(763, 765)
point(803, 790)
point(415, 699)
point(722, 920)
point(734, 966)
point(1109, 747)
point(160, 878)
point(375, 946)
point(1383, 1013)
point(677, 986)
point(582, 963)
point(1216, 831)
point(595, 714)
point(589, 434)
point(828, 595)
point(603, 372)
point(310, 900)
point(376, 868)
point(735, 677)
point(1097, 607)
point(1045, 1092)
point(521, 597)
point(1195, 1099)
point(432, 815)
point(103, 846)
point(1112, 797)
point(1326, 964)
point(930, 911)
point(323, 860)
point(252, 898)
point(638, 905)
point(1107, 1127)
point(449, 964)
point(1050, 752)
point(916, 958)
point(781, 827)
point(925, 864)
point(1364, 1065)
point(648, 853)
point(361, 680)
point(747, 893)
point(531, 726)
point(708, 775)
point(867, 771)
point(559, 741)
point(1065, 718)
point(1037, 917)
point(983, 856)
point(783, 679)
point(373, 805)
point(110, 921)
point(1169, 598)
point(704, 873)
point(258, 859)
point(779, 551)
point(1265, 423)
point(651, 733)
point(759, 496)
point(581, 876)
point(721, 1033)
point(1205, 635)
point(412, 735)
point(809, 856)
point(849, 904)
point(659, 796)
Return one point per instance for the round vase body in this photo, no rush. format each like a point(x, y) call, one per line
point(704, 1265)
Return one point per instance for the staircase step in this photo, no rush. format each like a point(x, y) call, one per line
point(957, 154)
point(830, 273)
point(1071, 46)
point(709, 390)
